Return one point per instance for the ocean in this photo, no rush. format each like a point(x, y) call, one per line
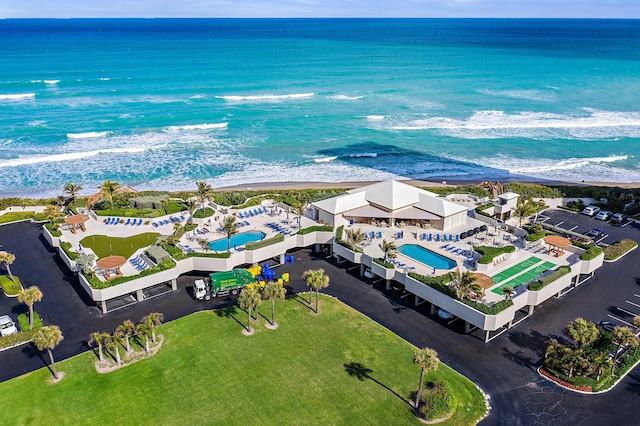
point(163, 103)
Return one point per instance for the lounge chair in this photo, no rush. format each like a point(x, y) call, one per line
point(399, 236)
point(423, 236)
point(373, 235)
point(379, 234)
point(444, 246)
point(128, 221)
point(155, 225)
point(430, 238)
point(139, 222)
point(457, 238)
point(438, 237)
point(246, 223)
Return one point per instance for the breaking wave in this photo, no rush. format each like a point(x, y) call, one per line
point(199, 126)
point(87, 135)
point(268, 97)
point(17, 96)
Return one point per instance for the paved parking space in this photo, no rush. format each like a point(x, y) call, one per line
point(582, 224)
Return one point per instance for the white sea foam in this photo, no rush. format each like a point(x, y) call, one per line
point(87, 135)
point(17, 96)
point(266, 97)
point(37, 159)
point(199, 126)
point(532, 95)
point(375, 117)
point(197, 97)
point(51, 81)
point(362, 154)
point(324, 159)
point(345, 97)
point(591, 124)
point(36, 123)
point(105, 78)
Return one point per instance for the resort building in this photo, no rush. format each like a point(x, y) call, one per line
point(391, 203)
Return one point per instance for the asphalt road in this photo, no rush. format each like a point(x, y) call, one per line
point(505, 368)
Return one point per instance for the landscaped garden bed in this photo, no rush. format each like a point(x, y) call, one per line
point(619, 249)
point(370, 383)
point(10, 287)
point(539, 284)
point(489, 253)
point(103, 245)
point(316, 228)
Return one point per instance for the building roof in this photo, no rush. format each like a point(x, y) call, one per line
point(509, 196)
point(342, 203)
point(392, 196)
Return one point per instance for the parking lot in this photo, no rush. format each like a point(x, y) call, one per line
point(582, 224)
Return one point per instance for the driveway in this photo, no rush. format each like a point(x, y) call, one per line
point(504, 368)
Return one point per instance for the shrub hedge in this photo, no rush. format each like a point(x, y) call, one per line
point(590, 251)
point(486, 309)
point(178, 254)
point(255, 245)
point(16, 216)
point(614, 251)
point(17, 338)
point(202, 213)
point(384, 263)
point(66, 246)
point(489, 253)
point(53, 229)
point(316, 228)
point(438, 400)
point(539, 284)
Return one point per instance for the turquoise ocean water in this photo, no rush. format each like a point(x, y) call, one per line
point(165, 103)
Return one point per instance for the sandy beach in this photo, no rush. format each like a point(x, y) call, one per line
point(272, 186)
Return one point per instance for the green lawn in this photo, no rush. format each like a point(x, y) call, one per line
point(208, 372)
point(16, 216)
point(104, 246)
point(9, 286)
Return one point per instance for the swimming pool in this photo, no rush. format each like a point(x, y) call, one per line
point(427, 257)
point(237, 240)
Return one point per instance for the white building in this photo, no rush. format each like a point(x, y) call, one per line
point(391, 202)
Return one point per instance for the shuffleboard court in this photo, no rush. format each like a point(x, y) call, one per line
point(515, 269)
point(525, 277)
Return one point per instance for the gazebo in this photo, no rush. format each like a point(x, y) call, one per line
point(557, 244)
point(111, 266)
point(76, 221)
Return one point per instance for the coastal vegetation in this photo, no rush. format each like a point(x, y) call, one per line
point(370, 383)
point(597, 359)
point(489, 253)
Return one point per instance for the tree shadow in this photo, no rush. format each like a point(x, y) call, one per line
point(31, 351)
point(301, 300)
point(520, 359)
point(230, 312)
point(359, 371)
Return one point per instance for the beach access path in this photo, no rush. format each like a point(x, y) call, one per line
point(505, 368)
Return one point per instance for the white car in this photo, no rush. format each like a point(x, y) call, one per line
point(604, 215)
point(368, 273)
point(7, 326)
point(444, 314)
point(591, 210)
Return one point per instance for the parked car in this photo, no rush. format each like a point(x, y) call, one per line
point(444, 314)
point(7, 326)
point(619, 218)
point(368, 273)
point(596, 233)
point(591, 210)
point(607, 325)
point(604, 215)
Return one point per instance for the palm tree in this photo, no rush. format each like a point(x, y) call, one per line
point(623, 336)
point(539, 205)
point(272, 291)
point(203, 192)
point(72, 189)
point(572, 359)
point(427, 360)
point(204, 244)
point(389, 249)
point(601, 362)
point(7, 258)
point(508, 292)
point(109, 187)
point(353, 237)
point(127, 328)
point(300, 208)
point(636, 322)
point(582, 332)
point(53, 214)
point(98, 338)
point(229, 227)
point(249, 299)
point(113, 343)
point(191, 208)
point(48, 338)
point(29, 296)
point(523, 209)
point(464, 284)
point(554, 349)
point(153, 321)
point(142, 329)
point(316, 279)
